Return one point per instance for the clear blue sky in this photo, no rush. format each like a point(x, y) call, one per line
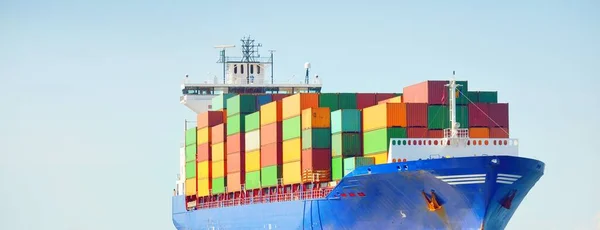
point(90, 121)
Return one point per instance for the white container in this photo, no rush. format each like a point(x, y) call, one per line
point(252, 140)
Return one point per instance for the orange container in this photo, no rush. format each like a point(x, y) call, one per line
point(479, 132)
point(270, 113)
point(235, 181)
point(209, 119)
point(236, 143)
point(218, 133)
point(316, 118)
point(499, 133)
point(271, 133)
point(383, 116)
point(293, 105)
point(235, 162)
point(203, 153)
point(271, 154)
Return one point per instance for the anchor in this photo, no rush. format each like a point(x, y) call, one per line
point(432, 203)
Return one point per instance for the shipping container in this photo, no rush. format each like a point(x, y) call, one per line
point(438, 117)
point(204, 186)
point(416, 114)
point(435, 133)
point(292, 127)
point(430, 92)
point(204, 169)
point(383, 96)
point(379, 157)
point(203, 136)
point(347, 100)
point(252, 140)
point(384, 115)
point(379, 140)
point(416, 132)
point(395, 99)
point(462, 92)
point(218, 185)
point(203, 152)
point(190, 186)
point(236, 143)
point(218, 151)
point(293, 105)
point(271, 133)
point(478, 115)
point(337, 168)
point(352, 163)
point(241, 104)
point(190, 169)
point(235, 181)
point(316, 159)
point(271, 154)
point(279, 97)
point(316, 176)
point(316, 118)
point(292, 150)
point(219, 169)
point(499, 133)
point(270, 113)
point(291, 172)
point(253, 180)
point(498, 114)
point(346, 144)
point(462, 116)
point(316, 138)
point(329, 100)
point(209, 119)
point(220, 101)
point(473, 97)
point(190, 136)
point(190, 153)
point(235, 124)
point(252, 121)
point(346, 120)
point(236, 162)
point(364, 100)
point(269, 176)
point(479, 132)
point(263, 99)
point(252, 161)
point(488, 96)
point(218, 133)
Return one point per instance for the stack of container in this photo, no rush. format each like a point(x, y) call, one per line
point(487, 117)
point(292, 107)
point(346, 139)
point(190, 162)
point(237, 108)
point(316, 145)
point(219, 160)
point(271, 158)
point(252, 149)
point(205, 121)
point(352, 163)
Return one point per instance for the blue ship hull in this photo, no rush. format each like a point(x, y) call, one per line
point(472, 193)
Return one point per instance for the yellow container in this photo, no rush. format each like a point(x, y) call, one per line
point(204, 186)
point(291, 173)
point(218, 169)
point(316, 118)
point(218, 151)
point(204, 169)
point(293, 105)
point(292, 150)
point(384, 115)
point(253, 161)
point(270, 113)
point(380, 158)
point(190, 187)
point(203, 135)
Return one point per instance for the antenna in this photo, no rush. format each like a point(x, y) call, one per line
point(452, 105)
point(223, 58)
point(307, 67)
point(249, 49)
point(271, 51)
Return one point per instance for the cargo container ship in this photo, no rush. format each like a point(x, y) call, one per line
point(265, 155)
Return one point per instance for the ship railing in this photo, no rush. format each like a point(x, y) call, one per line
point(266, 198)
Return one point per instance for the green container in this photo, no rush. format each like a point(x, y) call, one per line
point(473, 96)
point(190, 136)
point(378, 140)
point(253, 180)
point(291, 128)
point(337, 169)
point(462, 116)
point(438, 117)
point(352, 163)
point(241, 104)
point(317, 138)
point(488, 97)
point(270, 175)
point(347, 100)
point(218, 185)
point(190, 169)
point(190, 153)
point(220, 101)
point(346, 144)
point(235, 124)
point(252, 121)
point(329, 100)
point(464, 93)
point(345, 120)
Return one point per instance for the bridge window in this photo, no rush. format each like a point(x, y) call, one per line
point(234, 69)
point(251, 69)
point(257, 69)
point(242, 69)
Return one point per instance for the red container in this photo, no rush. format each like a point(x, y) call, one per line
point(364, 100)
point(478, 115)
point(416, 132)
point(278, 97)
point(203, 153)
point(316, 159)
point(383, 96)
point(499, 133)
point(236, 143)
point(218, 133)
point(236, 162)
point(499, 114)
point(430, 92)
point(271, 133)
point(235, 181)
point(209, 119)
point(271, 154)
point(416, 114)
point(435, 133)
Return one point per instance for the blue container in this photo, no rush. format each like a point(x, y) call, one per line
point(263, 99)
